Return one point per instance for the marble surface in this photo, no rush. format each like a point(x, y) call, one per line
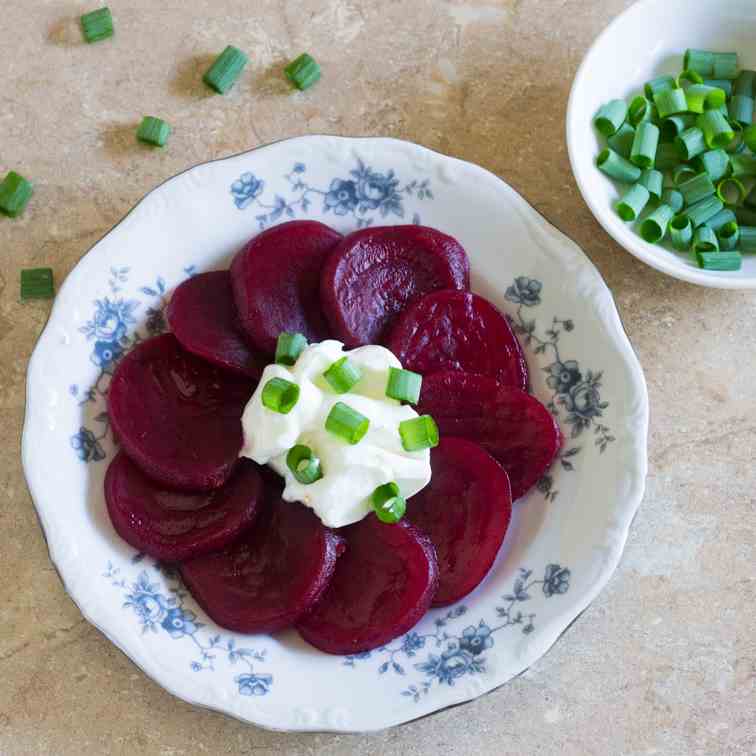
point(664, 662)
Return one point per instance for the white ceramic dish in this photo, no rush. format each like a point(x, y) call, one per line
point(647, 40)
point(566, 538)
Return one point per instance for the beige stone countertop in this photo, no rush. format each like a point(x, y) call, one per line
point(664, 661)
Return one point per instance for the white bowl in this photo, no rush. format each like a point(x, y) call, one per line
point(566, 537)
point(647, 40)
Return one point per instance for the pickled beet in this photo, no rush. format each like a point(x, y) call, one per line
point(456, 330)
point(271, 576)
point(177, 416)
point(514, 427)
point(465, 511)
point(374, 273)
point(202, 316)
point(172, 525)
point(276, 282)
point(382, 586)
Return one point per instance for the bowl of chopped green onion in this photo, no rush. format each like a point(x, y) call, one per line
point(661, 133)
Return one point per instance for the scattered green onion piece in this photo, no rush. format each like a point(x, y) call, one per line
point(675, 125)
point(741, 109)
point(346, 423)
point(700, 98)
point(153, 131)
point(689, 75)
point(731, 191)
point(749, 137)
point(654, 228)
point(404, 385)
point(288, 347)
point(617, 167)
point(705, 240)
point(632, 203)
point(659, 84)
point(716, 128)
point(418, 433)
point(653, 180)
point(674, 199)
point(640, 109)
point(683, 173)
point(715, 163)
point(729, 236)
point(690, 143)
point(622, 141)
point(721, 219)
point(743, 165)
point(737, 145)
point(343, 375)
point(750, 199)
point(303, 72)
point(645, 145)
point(37, 283)
point(15, 193)
point(746, 218)
point(697, 188)
point(97, 25)
point(670, 102)
point(744, 84)
point(726, 66)
point(280, 395)
point(610, 117)
point(724, 84)
point(704, 210)
point(721, 261)
point(700, 61)
point(667, 156)
point(304, 465)
point(681, 232)
point(226, 69)
point(389, 506)
point(748, 238)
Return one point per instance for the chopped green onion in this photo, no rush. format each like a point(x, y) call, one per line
point(743, 165)
point(746, 217)
point(670, 102)
point(418, 433)
point(722, 261)
point(617, 167)
point(749, 137)
point(97, 25)
point(675, 125)
point(704, 210)
point(346, 423)
point(744, 84)
point(343, 375)
point(304, 465)
point(640, 109)
point(280, 395)
point(288, 347)
point(716, 129)
point(741, 109)
point(725, 66)
point(659, 84)
point(610, 117)
point(700, 98)
point(632, 203)
point(689, 75)
point(404, 385)
point(705, 240)
point(226, 69)
point(653, 180)
point(153, 131)
point(715, 163)
point(700, 61)
point(731, 191)
point(667, 156)
point(37, 283)
point(748, 238)
point(389, 506)
point(750, 199)
point(683, 173)
point(729, 236)
point(681, 232)
point(697, 188)
point(622, 141)
point(15, 193)
point(654, 228)
point(737, 145)
point(674, 199)
point(645, 145)
point(690, 143)
point(721, 219)
point(303, 72)
point(724, 84)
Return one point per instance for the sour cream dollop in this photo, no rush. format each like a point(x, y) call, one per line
point(350, 472)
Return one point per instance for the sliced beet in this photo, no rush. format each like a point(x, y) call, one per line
point(465, 511)
point(202, 316)
point(271, 576)
point(382, 586)
point(276, 282)
point(373, 274)
point(514, 427)
point(177, 416)
point(456, 330)
point(172, 525)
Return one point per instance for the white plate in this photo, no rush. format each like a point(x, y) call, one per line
point(648, 40)
point(566, 537)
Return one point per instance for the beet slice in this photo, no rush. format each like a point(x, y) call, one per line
point(172, 525)
point(514, 427)
point(465, 511)
point(202, 316)
point(382, 586)
point(177, 416)
point(456, 330)
point(271, 576)
point(374, 273)
point(276, 282)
